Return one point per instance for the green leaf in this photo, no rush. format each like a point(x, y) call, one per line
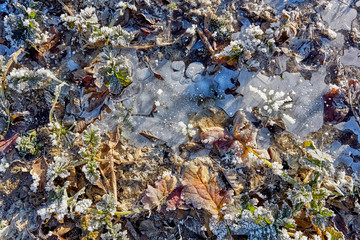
point(334, 234)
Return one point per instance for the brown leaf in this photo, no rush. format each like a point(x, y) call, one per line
point(216, 135)
point(8, 144)
point(157, 196)
point(202, 190)
point(234, 179)
point(174, 200)
point(108, 172)
point(335, 106)
point(39, 167)
point(243, 130)
point(151, 137)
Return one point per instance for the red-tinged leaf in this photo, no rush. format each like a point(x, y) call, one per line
point(8, 144)
point(39, 168)
point(216, 135)
point(174, 200)
point(156, 196)
point(202, 190)
point(335, 107)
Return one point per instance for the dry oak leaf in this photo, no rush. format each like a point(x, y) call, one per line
point(156, 196)
point(202, 190)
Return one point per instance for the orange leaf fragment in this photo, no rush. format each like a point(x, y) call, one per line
point(202, 190)
point(156, 196)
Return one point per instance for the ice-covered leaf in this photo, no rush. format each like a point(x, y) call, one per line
point(156, 196)
point(202, 190)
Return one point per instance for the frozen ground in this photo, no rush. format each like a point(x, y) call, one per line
point(195, 119)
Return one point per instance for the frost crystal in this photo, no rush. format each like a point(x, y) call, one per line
point(275, 104)
point(59, 168)
point(83, 205)
point(3, 164)
point(35, 184)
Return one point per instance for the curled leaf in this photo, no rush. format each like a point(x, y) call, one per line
point(202, 190)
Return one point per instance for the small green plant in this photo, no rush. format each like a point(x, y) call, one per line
point(91, 141)
point(25, 26)
point(28, 144)
point(60, 134)
point(113, 71)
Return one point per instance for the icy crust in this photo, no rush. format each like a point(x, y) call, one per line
point(344, 153)
point(306, 112)
point(338, 14)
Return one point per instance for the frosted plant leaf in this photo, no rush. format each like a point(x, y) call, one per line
point(115, 232)
point(24, 79)
point(58, 203)
point(116, 35)
point(25, 26)
point(58, 168)
point(85, 21)
point(113, 71)
point(3, 164)
point(275, 104)
point(108, 204)
point(82, 205)
point(300, 194)
point(35, 184)
point(91, 172)
point(27, 144)
point(106, 209)
point(91, 136)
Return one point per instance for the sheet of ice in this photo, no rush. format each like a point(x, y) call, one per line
point(338, 14)
point(343, 154)
point(351, 125)
point(351, 57)
point(3, 7)
point(281, 4)
point(173, 104)
point(307, 108)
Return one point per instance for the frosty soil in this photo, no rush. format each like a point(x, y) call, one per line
point(197, 119)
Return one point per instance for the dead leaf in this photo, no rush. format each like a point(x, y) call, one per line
point(151, 137)
point(108, 172)
point(243, 130)
point(155, 197)
point(335, 106)
point(39, 167)
point(202, 190)
point(173, 201)
point(8, 144)
point(234, 179)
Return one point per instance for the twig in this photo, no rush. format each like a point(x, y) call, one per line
point(56, 99)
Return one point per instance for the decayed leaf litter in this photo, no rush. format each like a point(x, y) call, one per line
point(210, 170)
